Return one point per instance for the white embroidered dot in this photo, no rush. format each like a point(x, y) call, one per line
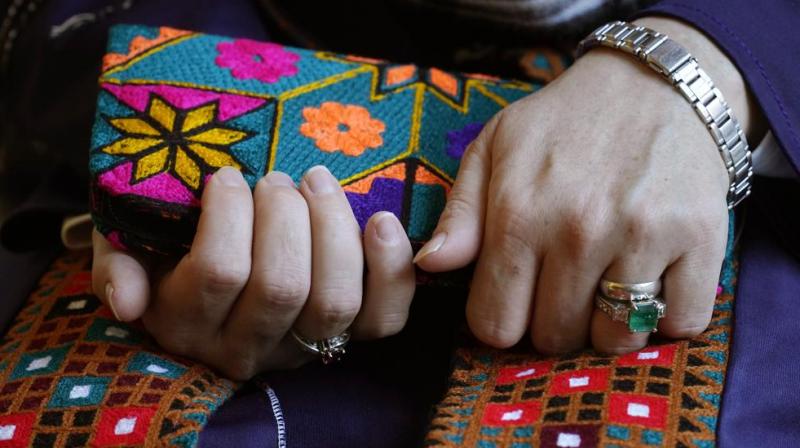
point(567, 440)
point(39, 363)
point(156, 369)
point(77, 305)
point(638, 410)
point(81, 391)
point(525, 373)
point(647, 355)
point(116, 332)
point(511, 415)
point(7, 432)
point(125, 426)
point(579, 381)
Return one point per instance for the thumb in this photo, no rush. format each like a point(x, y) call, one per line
point(119, 279)
point(457, 238)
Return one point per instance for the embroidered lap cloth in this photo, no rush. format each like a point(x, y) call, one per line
point(665, 395)
point(174, 106)
point(72, 376)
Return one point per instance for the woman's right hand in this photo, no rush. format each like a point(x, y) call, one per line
point(262, 264)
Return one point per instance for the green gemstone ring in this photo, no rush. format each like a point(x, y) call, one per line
point(640, 315)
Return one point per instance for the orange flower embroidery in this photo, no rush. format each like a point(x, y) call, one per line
point(348, 128)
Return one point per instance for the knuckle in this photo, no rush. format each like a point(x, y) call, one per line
point(641, 229)
point(389, 325)
point(553, 343)
point(583, 231)
point(685, 332)
point(284, 289)
point(618, 348)
point(342, 309)
point(216, 276)
point(684, 329)
point(491, 332)
point(619, 345)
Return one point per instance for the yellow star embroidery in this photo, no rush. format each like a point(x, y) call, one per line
point(189, 143)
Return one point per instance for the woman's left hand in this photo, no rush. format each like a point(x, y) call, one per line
point(607, 173)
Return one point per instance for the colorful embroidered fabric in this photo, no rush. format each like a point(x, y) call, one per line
point(667, 394)
point(175, 106)
point(73, 376)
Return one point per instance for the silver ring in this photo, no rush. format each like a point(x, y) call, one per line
point(641, 316)
point(629, 291)
point(330, 349)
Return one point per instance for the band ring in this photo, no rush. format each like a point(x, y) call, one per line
point(629, 291)
point(330, 350)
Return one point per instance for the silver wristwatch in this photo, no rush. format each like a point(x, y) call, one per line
point(670, 59)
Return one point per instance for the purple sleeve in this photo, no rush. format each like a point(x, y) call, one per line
point(763, 40)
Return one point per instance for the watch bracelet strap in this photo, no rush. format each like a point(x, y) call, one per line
point(674, 62)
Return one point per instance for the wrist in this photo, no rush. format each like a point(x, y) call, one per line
point(719, 68)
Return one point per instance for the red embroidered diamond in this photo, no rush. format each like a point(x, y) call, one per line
point(580, 381)
point(79, 283)
point(15, 430)
point(657, 355)
point(10, 388)
point(638, 409)
point(31, 403)
point(46, 327)
point(497, 414)
point(522, 373)
point(41, 384)
point(75, 367)
point(123, 426)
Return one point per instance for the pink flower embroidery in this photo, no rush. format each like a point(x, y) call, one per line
point(263, 61)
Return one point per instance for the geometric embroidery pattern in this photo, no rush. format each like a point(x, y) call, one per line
point(179, 105)
point(71, 375)
point(667, 394)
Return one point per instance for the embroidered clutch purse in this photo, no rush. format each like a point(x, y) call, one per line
point(174, 106)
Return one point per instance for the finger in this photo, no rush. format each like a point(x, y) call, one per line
point(390, 281)
point(337, 265)
point(194, 299)
point(119, 279)
point(638, 266)
point(280, 278)
point(458, 235)
point(565, 298)
point(690, 286)
point(499, 304)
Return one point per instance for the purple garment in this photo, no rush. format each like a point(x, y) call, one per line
point(761, 400)
point(380, 395)
point(763, 40)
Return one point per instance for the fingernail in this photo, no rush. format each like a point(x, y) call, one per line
point(278, 178)
point(432, 246)
point(320, 180)
point(110, 300)
point(388, 227)
point(229, 176)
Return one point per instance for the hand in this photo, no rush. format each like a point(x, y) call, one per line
point(260, 265)
point(605, 173)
